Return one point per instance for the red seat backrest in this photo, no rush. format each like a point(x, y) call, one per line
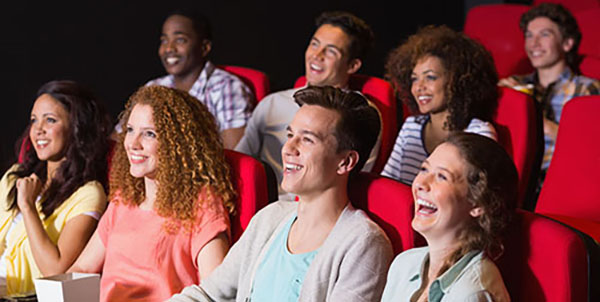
point(572, 185)
point(589, 23)
point(544, 261)
point(496, 26)
point(390, 204)
point(250, 181)
point(256, 80)
point(590, 67)
point(380, 92)
point(515, 124)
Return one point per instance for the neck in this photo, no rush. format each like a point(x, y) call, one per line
point(150, 188)
point(549, 75)
point(438, 253)
point(438, 119)
point(323, 210)
point(186, 81)
point(51, 168)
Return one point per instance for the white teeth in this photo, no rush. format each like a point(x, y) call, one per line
point(424, 97)
point(42, 142)
point(137, 157)
point(426, 204)
point(315, 67)
point(293, 167)
point(172, 60)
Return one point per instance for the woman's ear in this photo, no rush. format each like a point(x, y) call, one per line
point(476, 212)
point(348, 162)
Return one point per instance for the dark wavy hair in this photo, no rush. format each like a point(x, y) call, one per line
point(567, 24)
point(492, 185)
point(86, 150)
point(358, 126)
point(470, 89)
point(360, 33)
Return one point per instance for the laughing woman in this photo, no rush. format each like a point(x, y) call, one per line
point(50, 203)
point(449, 81)
point(167, 224)
point(463, 195)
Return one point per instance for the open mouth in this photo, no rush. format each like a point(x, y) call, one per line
point(424, 99)
point(425, 207)
point(292, 167)
point(42, 143)
point(172, 60)
point(315, 67)
point(136, 159)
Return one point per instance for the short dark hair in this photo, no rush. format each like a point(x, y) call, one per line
point(566, 24)
point(358, 126)
point(200, 22)
point(361, 35)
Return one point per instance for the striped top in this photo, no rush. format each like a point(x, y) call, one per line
point(409, 150)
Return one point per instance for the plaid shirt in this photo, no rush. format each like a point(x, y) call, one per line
point(554, 97)
point(226, 97)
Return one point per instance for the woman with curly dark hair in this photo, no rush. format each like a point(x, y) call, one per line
point(449, 82)
point(52, 200)
point(167, 225)
point(464, 199)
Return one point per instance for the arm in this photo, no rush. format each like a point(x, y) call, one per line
point(232, 136)
point(211, 255)
point(51, 258)
point(550, 128)
point(91, 259)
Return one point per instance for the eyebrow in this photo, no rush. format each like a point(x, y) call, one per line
point(328, 45)
point(426, 71)
point(443, 169)
point(307, 132)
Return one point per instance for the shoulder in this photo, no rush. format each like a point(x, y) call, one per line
point(91, 189)
point(158, 81)
point(279, 96)
point(356, 229)
point(590, 86)
point(481, 278)
point(269, 217)
point(480, 127)
point(409, 260)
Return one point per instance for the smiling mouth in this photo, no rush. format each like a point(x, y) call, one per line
point(42, 143)
point(172, 60)
point(292, 168)
point(136, 159)
point(424, 99)
point(425, 207)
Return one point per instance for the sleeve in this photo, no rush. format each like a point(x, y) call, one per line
point(192, 293)
point(363, 271)
point(393, 166)
point(251, 142)
point(213, 221)
point(480, 296)
point(106, 223)
point(6, 185)
point(482, 128)
point(235, 104)
point(89, 198)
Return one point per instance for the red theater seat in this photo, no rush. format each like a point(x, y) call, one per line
point(589, 23)
point(515, 124)
point(544, 261)
point(256, 80)
point(379, 92)
point(573, 5)
point(250, 181)
point(496, 26)
point(390, 204)
point(571, 190)
point(590, 66)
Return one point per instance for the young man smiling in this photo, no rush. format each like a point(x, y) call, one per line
point(185, 43)
point(552, 38)
point(319, 248)
point(335, 52)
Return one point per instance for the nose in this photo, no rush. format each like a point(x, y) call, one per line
point(421, 182)
point(290, 147)
point(169, 46)
point(419, 85)
point(132, 142)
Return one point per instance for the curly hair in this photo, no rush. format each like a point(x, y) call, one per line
point(86, 149)
point(567, 24)
point(470, 90)
point(492, 185)
point(191, 160)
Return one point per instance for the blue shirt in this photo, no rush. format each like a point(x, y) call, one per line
point(280, 275)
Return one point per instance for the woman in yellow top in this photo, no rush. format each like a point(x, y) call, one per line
point(51, 201)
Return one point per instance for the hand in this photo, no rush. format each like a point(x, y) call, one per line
point(28, 188)
point(508, 82)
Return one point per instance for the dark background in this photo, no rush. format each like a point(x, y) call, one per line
point(112, 46)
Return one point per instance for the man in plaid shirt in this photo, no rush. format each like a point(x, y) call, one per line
point(184, 45)
point(552, 38)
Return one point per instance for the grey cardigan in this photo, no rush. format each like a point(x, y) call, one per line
point(351, 265)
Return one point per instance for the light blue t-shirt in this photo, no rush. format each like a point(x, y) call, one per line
point(280, 275)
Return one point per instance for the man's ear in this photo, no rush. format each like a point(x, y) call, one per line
point(206, 47)
point(354, 65)
point(567, 44)
point(476, 212)
point(348, 163)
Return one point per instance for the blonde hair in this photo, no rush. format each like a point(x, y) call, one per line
point(191, 161)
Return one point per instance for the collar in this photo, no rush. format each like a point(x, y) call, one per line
point(440, 286)
point(200, 82)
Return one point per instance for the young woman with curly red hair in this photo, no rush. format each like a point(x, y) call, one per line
point(167, 224)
